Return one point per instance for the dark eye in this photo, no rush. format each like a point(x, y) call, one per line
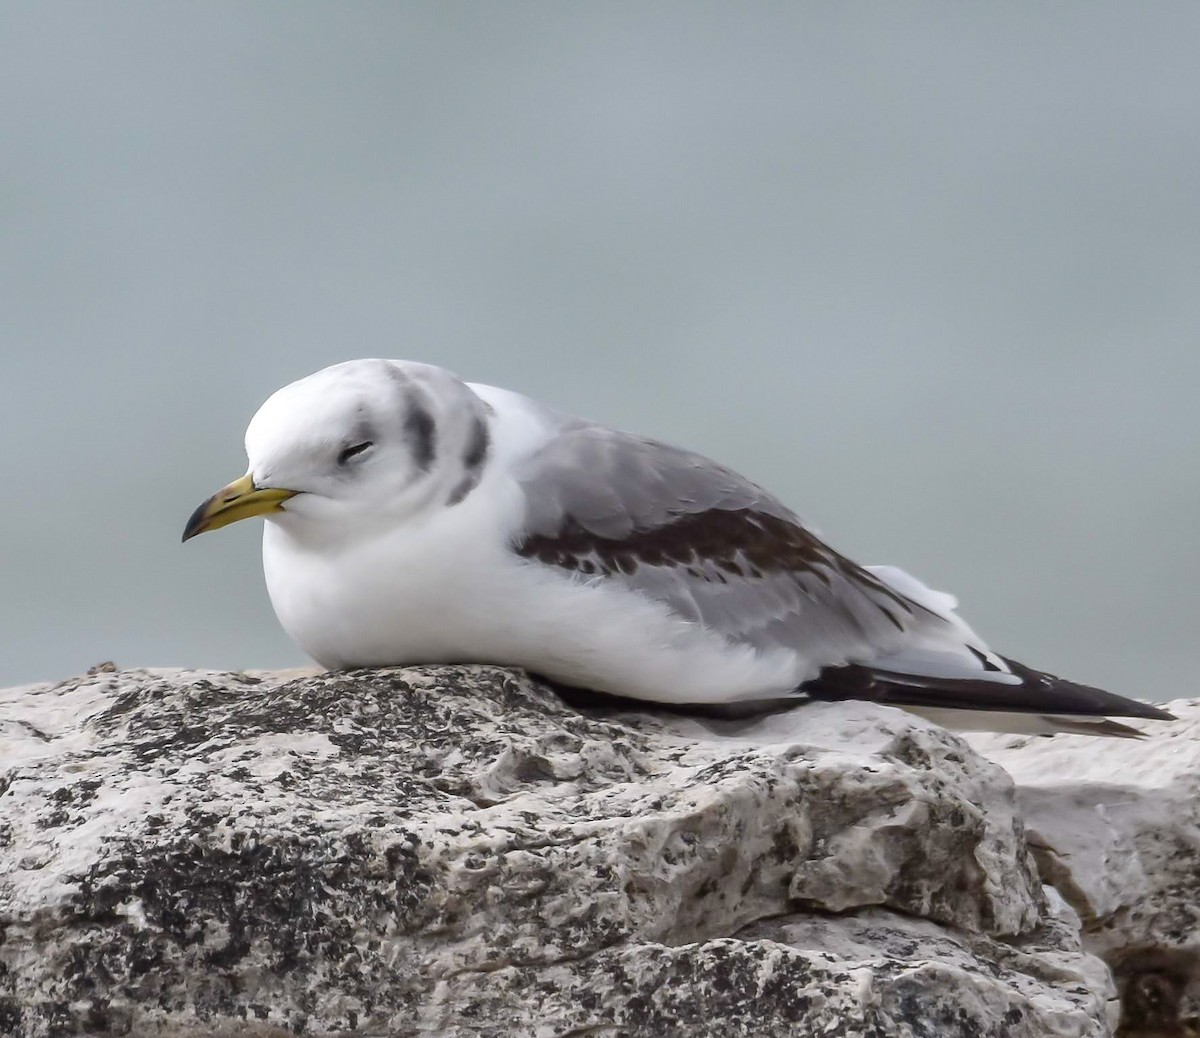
point(349, 452)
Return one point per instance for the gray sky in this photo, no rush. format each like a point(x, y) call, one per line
point(928, 271)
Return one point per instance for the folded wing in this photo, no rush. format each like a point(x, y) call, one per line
point(722, 552)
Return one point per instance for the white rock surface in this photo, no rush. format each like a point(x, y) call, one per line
point(455, 851)
point(1115, 826)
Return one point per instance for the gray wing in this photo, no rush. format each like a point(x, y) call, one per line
point(713, 546)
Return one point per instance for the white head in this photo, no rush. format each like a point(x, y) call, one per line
point(360, 443)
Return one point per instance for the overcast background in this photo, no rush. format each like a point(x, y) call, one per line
point(931, 272)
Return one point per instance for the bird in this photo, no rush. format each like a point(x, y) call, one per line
point(415, 518)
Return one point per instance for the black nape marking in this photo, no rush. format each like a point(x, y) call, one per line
point(478, 443)
point(461, 489)
point(421, 431)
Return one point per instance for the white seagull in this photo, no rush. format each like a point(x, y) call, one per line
point(416, 518)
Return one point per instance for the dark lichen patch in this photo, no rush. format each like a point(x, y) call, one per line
point(286, 902)
point(749, 989)
point(53, 820)
point(11, 1016)
point(77, 795)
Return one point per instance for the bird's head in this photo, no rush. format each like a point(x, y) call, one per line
point(367, 441)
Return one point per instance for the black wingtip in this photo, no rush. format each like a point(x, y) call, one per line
point(1085, 699)
point(1037, 693)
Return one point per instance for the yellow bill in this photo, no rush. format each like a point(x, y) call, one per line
point(240, 500)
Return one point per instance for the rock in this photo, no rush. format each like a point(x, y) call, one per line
point(456, 851)
point(1115, 826)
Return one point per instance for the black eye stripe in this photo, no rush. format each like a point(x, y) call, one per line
point(349, 452)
